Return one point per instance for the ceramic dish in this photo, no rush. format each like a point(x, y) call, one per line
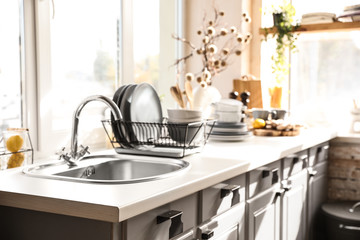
point(229, 138)
point(142, 104)
point(116, 128)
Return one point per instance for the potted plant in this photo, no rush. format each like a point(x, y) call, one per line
point(283, 32)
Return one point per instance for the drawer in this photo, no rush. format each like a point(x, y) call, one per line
point(220, 197)
point(224, 225)
point(294, 164)
point(318, 154)
point(264, 178)
point(165, 222)
point(189, 235)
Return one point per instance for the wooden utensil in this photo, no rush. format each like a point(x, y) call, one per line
point(189, 94)
point(176, 93)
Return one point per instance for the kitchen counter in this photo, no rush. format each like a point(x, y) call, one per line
point(114, 203)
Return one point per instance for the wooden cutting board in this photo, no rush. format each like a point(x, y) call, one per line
point(275, 133)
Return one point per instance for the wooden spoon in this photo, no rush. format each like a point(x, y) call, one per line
point(177, 96)
point(189, 94)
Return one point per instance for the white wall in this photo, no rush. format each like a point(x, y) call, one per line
point(194, 15)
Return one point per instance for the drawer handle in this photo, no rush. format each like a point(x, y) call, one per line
point(275, 176)
point(225, 191)
point(354, 228)
point(174, 216)
point(207, 235)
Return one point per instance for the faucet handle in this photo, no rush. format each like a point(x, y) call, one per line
point(61, 153)
point(83, 151)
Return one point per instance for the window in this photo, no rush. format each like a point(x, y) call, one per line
point(323, 76)
point(79, 48)
point(10, 64)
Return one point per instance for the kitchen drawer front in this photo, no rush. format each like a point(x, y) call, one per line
point(165, 222)
point(264, 178)
point(222, 196)
point(318, 154)
point(294, 164)
point(224, 225)
point(189, 235)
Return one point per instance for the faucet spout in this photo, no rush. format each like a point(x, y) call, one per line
point(74, 133)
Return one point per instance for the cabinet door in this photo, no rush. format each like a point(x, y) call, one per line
point(264, 215)
point(294, 207)
point(317, 195)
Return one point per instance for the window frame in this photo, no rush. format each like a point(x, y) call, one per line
point(36, 66)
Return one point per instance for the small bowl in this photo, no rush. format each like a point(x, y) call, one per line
point(177, 132)
point(279, 113)
point(184, 114)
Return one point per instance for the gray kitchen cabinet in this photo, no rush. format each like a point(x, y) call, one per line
point(263, 204)
point(165, 222)
point(317, 186)
point(294, 202)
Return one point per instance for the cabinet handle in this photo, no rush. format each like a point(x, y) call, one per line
point(286, 185)
point(174, 216)
point(279, 192)
point(354, 228)
point(275, 176)
point(312, 172)
point(225, 191)
point(207, 235)
point(265, 173)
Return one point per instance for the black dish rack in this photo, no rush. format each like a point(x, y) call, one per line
point(163, 139)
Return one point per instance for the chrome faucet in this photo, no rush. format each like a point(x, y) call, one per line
point(74, 154)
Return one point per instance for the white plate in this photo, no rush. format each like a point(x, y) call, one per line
point(226, 138)
point(145, 106)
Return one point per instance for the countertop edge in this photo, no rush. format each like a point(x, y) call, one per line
point(60, 206)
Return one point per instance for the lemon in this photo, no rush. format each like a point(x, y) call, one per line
point(15, 160)
point(14, 143)
point(259, 123)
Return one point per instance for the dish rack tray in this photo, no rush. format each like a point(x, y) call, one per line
point(158, 139)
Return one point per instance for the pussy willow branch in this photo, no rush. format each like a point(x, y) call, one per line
point(176, 37)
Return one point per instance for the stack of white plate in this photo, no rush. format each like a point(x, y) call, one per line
point(229, 125)
point(235, 131)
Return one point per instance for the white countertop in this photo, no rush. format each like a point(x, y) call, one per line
point(114, 203)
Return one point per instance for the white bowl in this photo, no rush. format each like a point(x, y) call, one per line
point(228, 116)
point(186, 120)
point(184, 114)
point(228, 105)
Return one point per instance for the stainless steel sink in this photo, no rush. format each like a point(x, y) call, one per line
point(111, 169)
